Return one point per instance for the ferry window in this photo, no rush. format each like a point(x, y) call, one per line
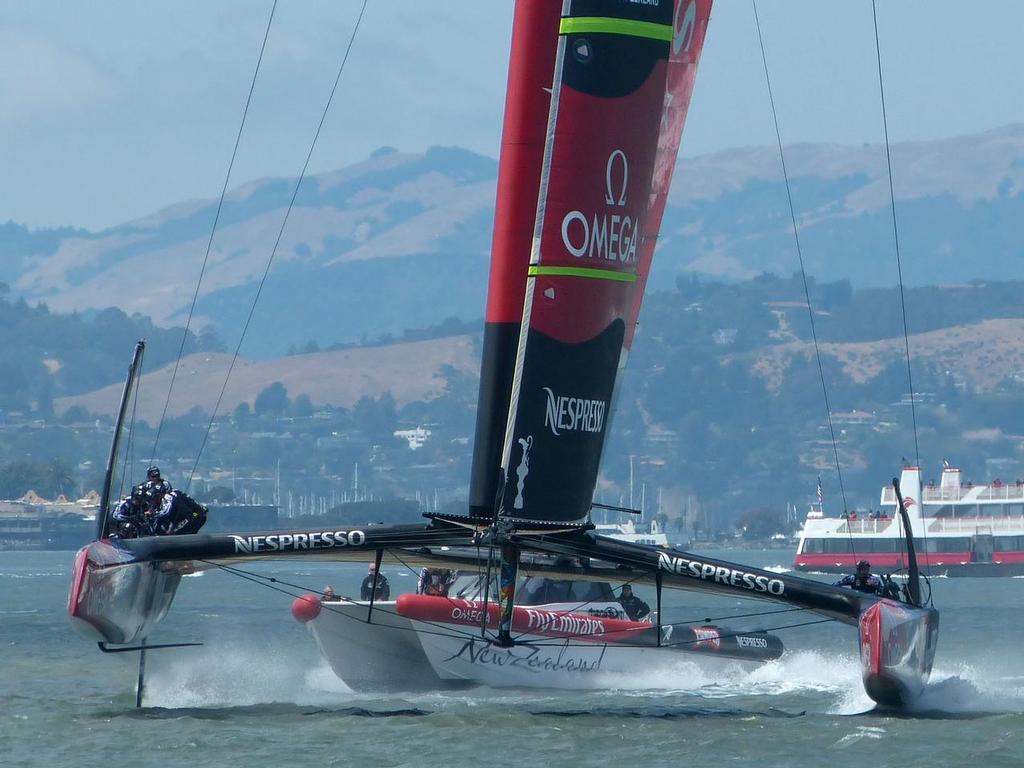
point(1015, 510)
point(957, 544)
point(813, 546)
point(1007, 543)
point(838, 546)
point(946, 510)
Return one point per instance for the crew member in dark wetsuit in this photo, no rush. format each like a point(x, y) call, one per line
point(434, 581)
point(366, 590)
point(634, 607)
point(863, 580)
point(155, 484)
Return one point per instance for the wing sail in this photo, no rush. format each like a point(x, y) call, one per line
point(607, 159)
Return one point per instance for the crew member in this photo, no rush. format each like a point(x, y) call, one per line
point(156, 484)
point(434, 581)
point(863, 580)
point(634, 607)
point(130, 515)
point(366, 589)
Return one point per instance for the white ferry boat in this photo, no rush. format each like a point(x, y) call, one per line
point(627, 531)
point(960, 529)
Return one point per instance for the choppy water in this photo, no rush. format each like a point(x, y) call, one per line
point(257, 693)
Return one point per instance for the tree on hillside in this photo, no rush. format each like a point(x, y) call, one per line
point(760, 523)
point(272, 400)
point(376, 418)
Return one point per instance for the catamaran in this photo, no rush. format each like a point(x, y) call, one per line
point(597, 97)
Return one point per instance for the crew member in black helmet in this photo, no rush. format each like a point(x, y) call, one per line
point(863, 580)
point(155, 483)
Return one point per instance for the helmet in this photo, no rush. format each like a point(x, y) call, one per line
point(153, 472)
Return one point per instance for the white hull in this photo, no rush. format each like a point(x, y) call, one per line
point(383, 655)
point(545, 662)
point(395, 653)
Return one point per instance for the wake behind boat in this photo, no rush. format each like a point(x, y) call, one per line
point(597, 99)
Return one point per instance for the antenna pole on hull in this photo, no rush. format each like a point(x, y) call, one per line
point(913, 574)
point(657, 585)
point(507, 592)
point(373, 593)
point(140, 687)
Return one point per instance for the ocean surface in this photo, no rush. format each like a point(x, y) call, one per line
point(257, 693)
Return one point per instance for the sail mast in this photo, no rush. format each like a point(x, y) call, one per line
point(103, 514)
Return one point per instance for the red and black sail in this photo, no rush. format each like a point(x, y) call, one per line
point(598, 182)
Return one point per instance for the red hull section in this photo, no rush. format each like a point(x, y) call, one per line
point(897, 648)
point(114, 599)
point(582, 627)
point(532, 621)
point(846, 562)
point(931, 563)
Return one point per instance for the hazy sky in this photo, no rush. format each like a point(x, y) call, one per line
point(112, 110)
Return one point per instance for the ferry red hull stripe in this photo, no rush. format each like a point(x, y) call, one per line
point(895, 559)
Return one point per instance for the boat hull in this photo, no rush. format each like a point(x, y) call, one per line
point(897, 648)
point(536, 661)
point(374, 650)
point(421, 643)
point(114, 599)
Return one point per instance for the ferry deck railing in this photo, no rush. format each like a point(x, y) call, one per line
point(1001, 492)
point(975, 524)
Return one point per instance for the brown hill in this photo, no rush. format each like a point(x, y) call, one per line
point(410, 371)
point(979, 356)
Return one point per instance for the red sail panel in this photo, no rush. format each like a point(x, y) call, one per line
point(527, 102)
point(602, 146)
point(689, 28)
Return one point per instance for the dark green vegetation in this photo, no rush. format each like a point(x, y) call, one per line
point(721, 409)
point(44, 355)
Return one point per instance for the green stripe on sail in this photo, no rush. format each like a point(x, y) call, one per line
point(584, 24)
point(588, 272)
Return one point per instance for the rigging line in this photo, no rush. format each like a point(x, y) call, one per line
point(896, 233)
point(262, 581)
point(131, 440)
point(740, 616)
point(277, 242)
point(800, 257)
point(213, 230)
